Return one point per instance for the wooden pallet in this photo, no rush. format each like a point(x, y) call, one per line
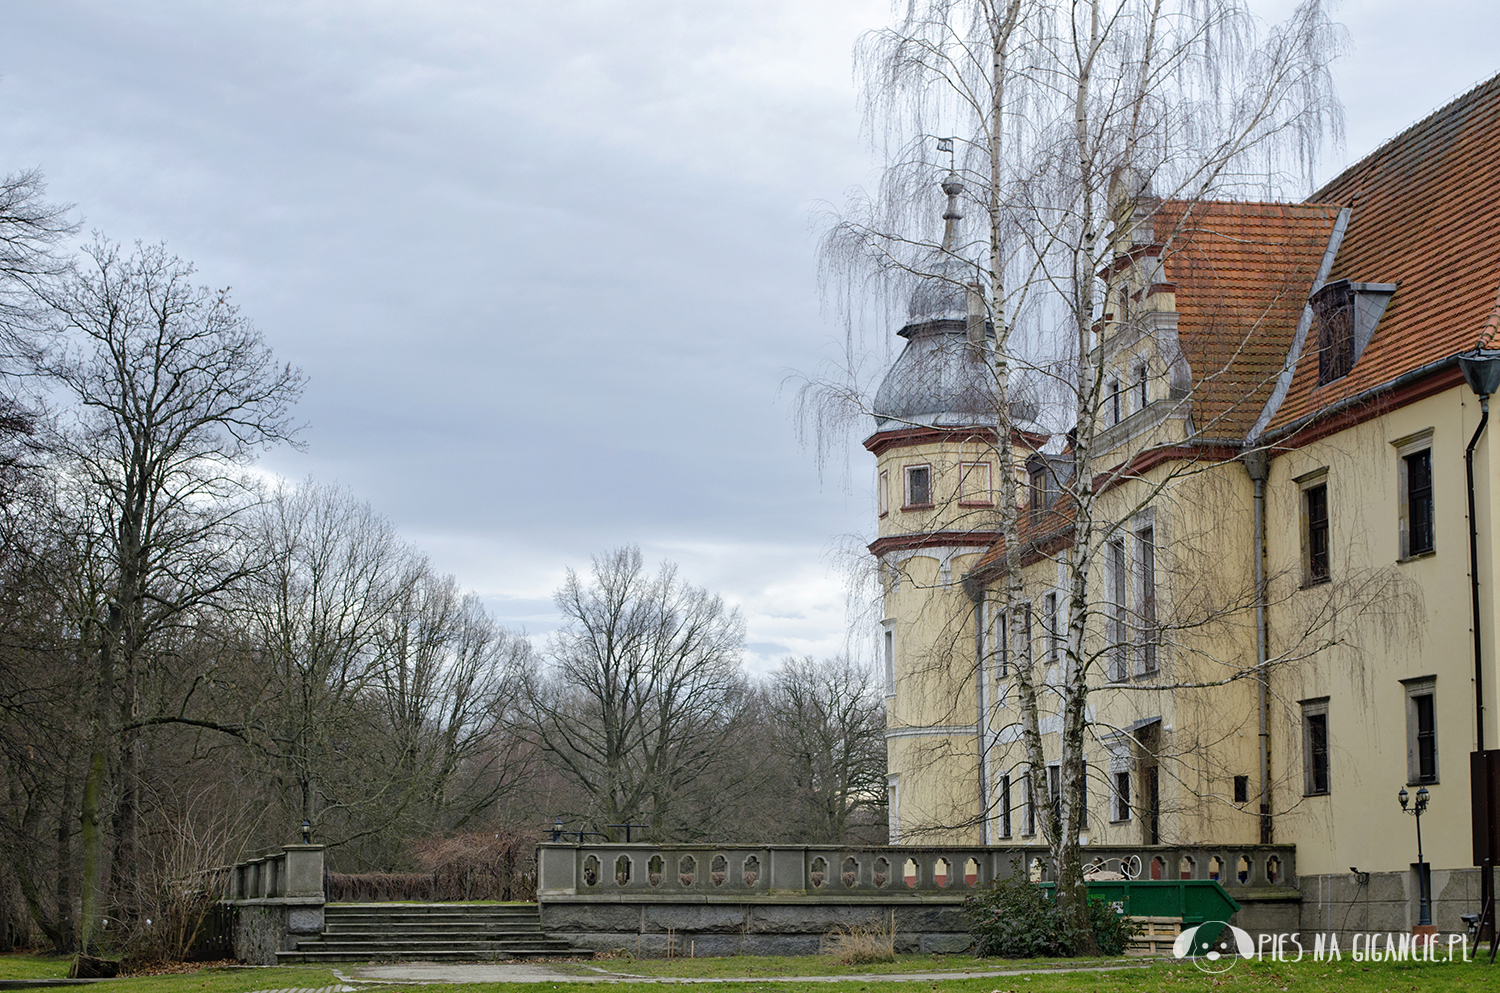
point(1155, 937)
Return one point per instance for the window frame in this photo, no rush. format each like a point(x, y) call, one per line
point(1414, 446)
point(1315, 714)
point(998, 631)
point(1419, 688)
point(1312, 490)
point(888, 651)
point(1147, 628)
point(1113, 398)
point(1117, 574)
point(906, 494)
point(1049, 627)
point(987, 492)
point(893, 808)
point(1003, 789)
point(883, 492)
point(1119, 797)
point(1028, 795)
point(1142, 375)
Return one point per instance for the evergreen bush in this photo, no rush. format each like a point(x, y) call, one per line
point(1015, 919)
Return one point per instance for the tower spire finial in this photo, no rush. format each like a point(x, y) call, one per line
point(953, 187)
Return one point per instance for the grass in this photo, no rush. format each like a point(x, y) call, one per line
point(33, 966)
point(210, 980)
point(792, 965)
point(1246, 977)
point(1173, 977)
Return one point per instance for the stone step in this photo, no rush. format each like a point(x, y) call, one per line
point(497, 927)
point(419, 945)
point(289, 958)
point(428, 932)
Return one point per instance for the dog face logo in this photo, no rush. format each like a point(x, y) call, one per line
point(1214, 946)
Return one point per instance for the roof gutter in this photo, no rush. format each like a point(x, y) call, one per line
point(1365, 396)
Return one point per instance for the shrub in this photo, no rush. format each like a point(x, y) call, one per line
point(858, 944)
point(1013, 918)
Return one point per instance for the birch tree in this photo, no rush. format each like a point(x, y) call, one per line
point(1066, 122)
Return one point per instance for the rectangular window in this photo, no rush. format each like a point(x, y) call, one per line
point(1005, 806)
point(883, 493)
point(1416, 510)
point(893, 809)
point(1145, 547)
point(1421, 731)
point(999, 644)
point(1049, 624)
point(1115, 619)
point(1333, 312)
point(918, 486)
point(1241, 789)
point(1112, 399)
point(1054, 794)
point(1028, 821)
point(1315, 747)
point(1315, 563)
point(890, 658)
point(1142, 395)
point(1122, 796)
point(974, 485)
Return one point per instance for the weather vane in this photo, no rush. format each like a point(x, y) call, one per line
point(946, 145)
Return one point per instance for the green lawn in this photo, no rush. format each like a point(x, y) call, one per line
point(1175, 977)
point(1245, 977)
point(211, 980)
point(32, 967)
point(799, 965)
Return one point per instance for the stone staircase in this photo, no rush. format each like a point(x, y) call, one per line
point(427, 932)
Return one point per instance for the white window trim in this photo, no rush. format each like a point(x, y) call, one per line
point(888, 655)
point(893, 809)
point(1421, 686)
point(1412, 444)
point(985, 496)
point(883, 492)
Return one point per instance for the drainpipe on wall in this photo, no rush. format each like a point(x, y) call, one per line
point(1258, 465)
point(1484, 406)
point(981, 719)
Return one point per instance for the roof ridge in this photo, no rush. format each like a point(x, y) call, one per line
point(1400, 137)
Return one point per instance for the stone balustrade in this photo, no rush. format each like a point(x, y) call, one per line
point(277, 899)
point(628, 872)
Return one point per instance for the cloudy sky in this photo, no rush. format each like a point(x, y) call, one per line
point(549, 266)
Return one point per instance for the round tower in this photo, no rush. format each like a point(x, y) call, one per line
point(937, 494)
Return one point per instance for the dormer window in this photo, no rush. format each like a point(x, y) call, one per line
point(1333, 311)
point(1043, 486)
point(1346, 314)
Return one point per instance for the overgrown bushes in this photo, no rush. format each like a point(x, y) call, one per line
point(1016, 919)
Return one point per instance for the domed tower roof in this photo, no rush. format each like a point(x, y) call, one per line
point(941, 378)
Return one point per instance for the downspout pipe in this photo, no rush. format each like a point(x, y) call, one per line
point(1484, 407)
point(1258, 465)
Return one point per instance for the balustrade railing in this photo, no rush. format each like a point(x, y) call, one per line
point(623, 871)
point(293, 874)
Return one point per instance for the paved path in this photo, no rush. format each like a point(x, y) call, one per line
point(533, 972)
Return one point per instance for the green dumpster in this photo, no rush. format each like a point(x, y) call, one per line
point(1193, 900)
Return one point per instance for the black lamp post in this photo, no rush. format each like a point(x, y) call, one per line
point(1425, 917)
point(306, 832)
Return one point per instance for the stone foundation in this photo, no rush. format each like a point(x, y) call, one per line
point(783, 927)
point(1338, 903)
point(263, 929)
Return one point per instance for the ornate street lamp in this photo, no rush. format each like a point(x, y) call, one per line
point(306, 832)
point(1425, 917)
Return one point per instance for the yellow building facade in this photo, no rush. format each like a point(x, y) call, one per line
point(1279, 627)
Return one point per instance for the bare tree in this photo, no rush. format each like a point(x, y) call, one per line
point(171, 393)
point(828, 735)
point(1069, 124)
point(641, 691)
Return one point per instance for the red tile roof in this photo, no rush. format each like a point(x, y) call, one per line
point(1426, 216)
point(1242, 272)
